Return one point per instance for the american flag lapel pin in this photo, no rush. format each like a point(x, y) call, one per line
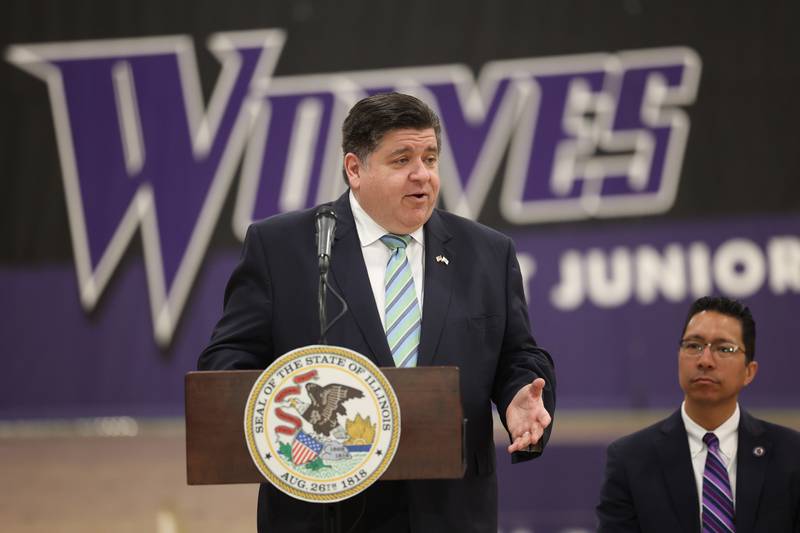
point(442, 259)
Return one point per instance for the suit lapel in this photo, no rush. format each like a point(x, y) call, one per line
point(676, 464)
point(438, 287)
point(350, 275)
point(752, 458)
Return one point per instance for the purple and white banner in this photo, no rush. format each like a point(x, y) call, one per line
point(608, 304)
point(629, 182)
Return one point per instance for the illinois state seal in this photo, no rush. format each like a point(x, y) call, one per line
point(322, 423)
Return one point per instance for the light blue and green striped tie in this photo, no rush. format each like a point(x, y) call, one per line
point(402, 309)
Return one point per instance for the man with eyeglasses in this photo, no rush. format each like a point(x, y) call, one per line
point(710, 466)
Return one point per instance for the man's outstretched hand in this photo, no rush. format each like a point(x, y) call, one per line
point(526, 416)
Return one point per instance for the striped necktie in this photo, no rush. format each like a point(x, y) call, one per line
point(402, 309)
point(718, 514)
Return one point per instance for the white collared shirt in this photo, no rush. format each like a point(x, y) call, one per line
point(376, 256)
point(728, 435)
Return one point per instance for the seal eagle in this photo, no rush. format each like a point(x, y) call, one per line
point(326, 403)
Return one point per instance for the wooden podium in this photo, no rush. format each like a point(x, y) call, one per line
point(431, 434)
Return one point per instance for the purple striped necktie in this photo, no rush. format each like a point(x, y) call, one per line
point(718, 513)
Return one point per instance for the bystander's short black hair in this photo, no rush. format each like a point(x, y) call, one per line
point(732, 308)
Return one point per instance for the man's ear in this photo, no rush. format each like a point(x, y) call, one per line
point(750, 372)
point(353, 168)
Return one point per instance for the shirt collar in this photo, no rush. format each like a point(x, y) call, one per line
point(370, 231)
point(726, 433)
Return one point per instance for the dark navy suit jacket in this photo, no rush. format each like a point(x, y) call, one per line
point(650, 486)
point(474, 317)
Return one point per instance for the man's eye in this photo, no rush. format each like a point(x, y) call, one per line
point(693, 346)
point(727, 348)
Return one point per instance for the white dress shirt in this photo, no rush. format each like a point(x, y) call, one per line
point(728, 435)
point(376, 256)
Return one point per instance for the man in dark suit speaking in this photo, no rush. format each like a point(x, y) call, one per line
point(423, 287)
point(710, 466)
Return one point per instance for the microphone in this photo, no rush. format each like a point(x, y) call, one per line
point(325, 219)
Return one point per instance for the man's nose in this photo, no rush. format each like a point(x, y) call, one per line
point(706, 357)
point(420, 171)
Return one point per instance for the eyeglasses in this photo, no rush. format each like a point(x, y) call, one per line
point(720, 349)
